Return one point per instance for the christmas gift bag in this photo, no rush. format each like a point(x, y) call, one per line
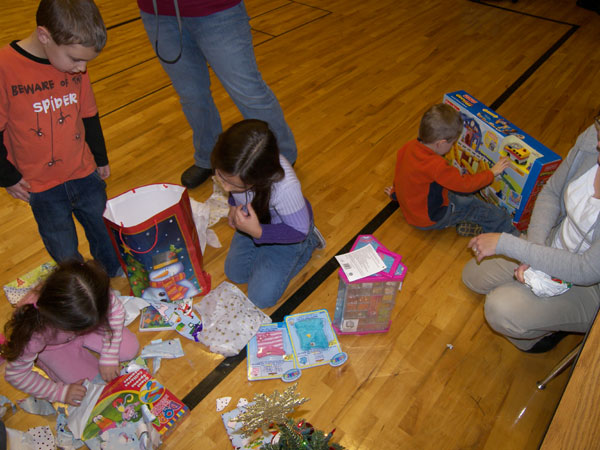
point(153, 232)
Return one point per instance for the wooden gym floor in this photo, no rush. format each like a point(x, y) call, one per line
point(353, 78)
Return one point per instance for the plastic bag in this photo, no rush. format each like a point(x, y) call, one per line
point(543, 285)
point(229, 319)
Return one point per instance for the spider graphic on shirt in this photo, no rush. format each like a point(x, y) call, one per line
point(62, 118)
point(38, 130)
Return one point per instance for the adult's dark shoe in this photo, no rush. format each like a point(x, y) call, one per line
point(592, 5)
point(194, 176)
point(547, 343)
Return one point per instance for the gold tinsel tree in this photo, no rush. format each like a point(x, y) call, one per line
point(266, 410)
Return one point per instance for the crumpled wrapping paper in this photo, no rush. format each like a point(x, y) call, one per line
point(37, 438)
point(543, 285)
point(209, 213)
point(229, 319)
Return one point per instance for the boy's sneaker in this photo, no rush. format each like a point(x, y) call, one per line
point(468, 229)
point(322, 243)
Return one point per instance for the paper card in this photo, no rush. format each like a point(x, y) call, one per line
point(360, 263)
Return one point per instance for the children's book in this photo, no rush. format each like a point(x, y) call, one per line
point(152, 320)
point(130, 397)
point(301, 341)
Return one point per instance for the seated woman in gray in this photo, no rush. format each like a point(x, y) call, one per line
point(563, 241)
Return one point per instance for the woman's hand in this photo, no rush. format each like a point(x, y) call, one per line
point(519, 272)
point(108, 373)
point(484, 245)
point(245, 219)
point(75, 393)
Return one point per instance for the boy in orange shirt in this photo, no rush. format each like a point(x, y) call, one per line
point(52, 150)
point(432, 193)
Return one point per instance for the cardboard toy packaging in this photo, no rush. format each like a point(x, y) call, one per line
point(365, 305)
point(486, 137)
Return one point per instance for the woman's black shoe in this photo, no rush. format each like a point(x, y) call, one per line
point(194, 176)
point(547, 343)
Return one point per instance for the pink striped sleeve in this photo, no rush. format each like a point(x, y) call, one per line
point(109, 356)
point(19, 374)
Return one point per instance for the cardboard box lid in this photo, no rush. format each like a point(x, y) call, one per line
point(394, 271)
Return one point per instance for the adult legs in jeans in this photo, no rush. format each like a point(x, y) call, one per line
point(53, 210)
point(267, 268)
point(468, 208)
point(513, 310)
point(72, 361)
point(224, 41)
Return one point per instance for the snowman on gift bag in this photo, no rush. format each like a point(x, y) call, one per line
point(167, 279)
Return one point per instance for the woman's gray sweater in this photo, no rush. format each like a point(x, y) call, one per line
point(546, 219)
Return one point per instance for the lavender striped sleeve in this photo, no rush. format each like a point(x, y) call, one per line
point(291, 213)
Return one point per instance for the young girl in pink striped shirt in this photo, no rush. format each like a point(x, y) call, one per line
point(55, 326)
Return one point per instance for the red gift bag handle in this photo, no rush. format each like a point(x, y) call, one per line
point(136, 251)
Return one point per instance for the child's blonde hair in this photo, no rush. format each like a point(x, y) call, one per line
point(440, 122)
point(73, 22)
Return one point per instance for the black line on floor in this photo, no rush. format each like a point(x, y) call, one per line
point(523, 13)
point(535, 66)
point(226, 366)
point(541, 60)
point(155, 57)
point(120, 24)
point(125, 105)
point(144, 61)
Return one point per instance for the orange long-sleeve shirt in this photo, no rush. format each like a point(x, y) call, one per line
point(422, 181)
point(41, 118)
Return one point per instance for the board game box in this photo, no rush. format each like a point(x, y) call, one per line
point(283, 349)
point(486, 137)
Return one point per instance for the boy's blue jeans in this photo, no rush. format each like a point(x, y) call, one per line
point(54, 209)
point(267, 268)
point(469, 208)
point(224, 41)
